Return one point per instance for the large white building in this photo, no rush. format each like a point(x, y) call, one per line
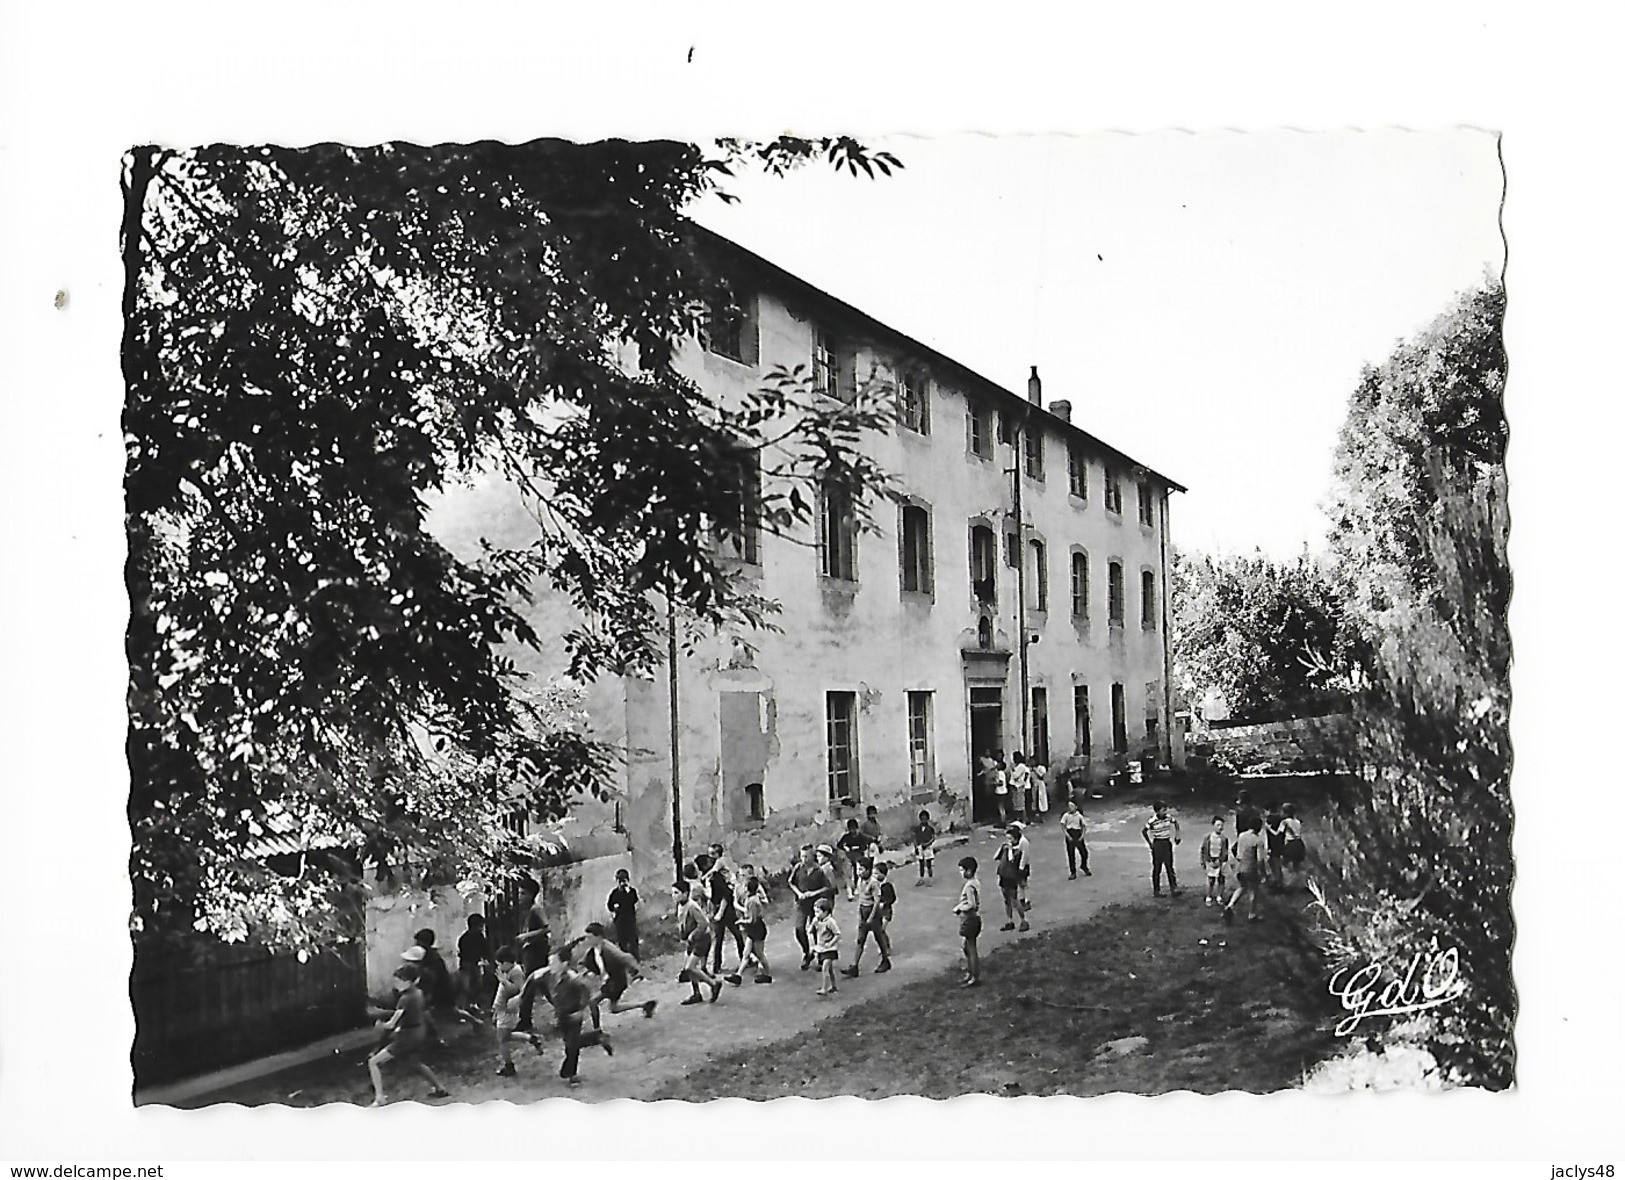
point(898, 662)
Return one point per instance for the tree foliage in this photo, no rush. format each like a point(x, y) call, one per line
point(1266, 635)
point(316, 339)
point(1420, 531)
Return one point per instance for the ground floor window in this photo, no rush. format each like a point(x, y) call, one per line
point(919, 740)
point(1040, 736)
point(841, 730)
point(1080, 720)
point(1119, 720)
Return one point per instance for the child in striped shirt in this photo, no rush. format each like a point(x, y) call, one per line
point(1161, 833)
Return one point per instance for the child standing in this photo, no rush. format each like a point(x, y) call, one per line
point(1250, 856)
point(1075, 828)
point(1215, 855)
point(969, 909)
point(1292, 848)
point(623, 912)
point(854, 847)
point(1161, 833)
point(406, 1037)
point(1040, 792)
point(826, 940)
point(925, 848)
point(473, 961)
point(876, 897)
point(1008, 872)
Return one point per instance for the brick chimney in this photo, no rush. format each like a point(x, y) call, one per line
point(1035, 388)
point(1062, 410)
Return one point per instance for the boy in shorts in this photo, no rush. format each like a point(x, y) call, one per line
point(969, 910)
point(1250, 853)
point(826, 943)
point(1008, 871)
point(615, 968)
point(406, 1034)
point(694, 928)
point(510, 981)
point(1215, 854)
point(925, 848)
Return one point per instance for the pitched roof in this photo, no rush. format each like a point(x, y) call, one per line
point(732, 256)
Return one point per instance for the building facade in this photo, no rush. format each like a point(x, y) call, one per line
point(898, 659)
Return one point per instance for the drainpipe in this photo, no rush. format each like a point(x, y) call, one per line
point(1167, 751)
point(1034, 396)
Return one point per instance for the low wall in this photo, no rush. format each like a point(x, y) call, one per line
point(1281, 747)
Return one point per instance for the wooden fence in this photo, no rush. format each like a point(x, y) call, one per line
point(236, 1004)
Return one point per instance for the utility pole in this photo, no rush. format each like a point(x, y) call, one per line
point(676, 740)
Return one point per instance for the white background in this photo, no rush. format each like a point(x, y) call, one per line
point(82, 83)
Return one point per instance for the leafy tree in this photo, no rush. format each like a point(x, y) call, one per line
point(1424, 855)
point(318, 338)
point(1265, 634)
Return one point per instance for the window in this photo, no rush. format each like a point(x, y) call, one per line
point(1114, 593)
point(1147, 504)
point(1080, 585)
point(831, 368)
point(1033, 448)
point(730, 331)
point(916, 543)
point(914, 403)
point(919, 740)
point(1038, 577)
point(1153, 697)
point(837, 535)
point(841, 744)
point(753, 796)
point(1012, 549)
point(979, 430)
point(1119, 721)
point(1040, 742)
point(1148, 600)
point(741, 534)
point(1007, 428)
point(1080, 720)
point(1077, 473)
point(1114, 492)
point(984, 582)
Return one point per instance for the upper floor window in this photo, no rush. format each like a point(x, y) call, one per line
point(730, 330)
point(1147, 504)
point(1114, 492)
point(837, 534)
point(916, 544)
point(913, 403)
point(979, 430)
point(831, 367)
point(984, 563)
point(1007, 427)
point(1148, 600)
point(1080, 585)
point(1038, 577)
point(741, 532)
point(1114, 593)
point(1077, 473)
point(1033, 450)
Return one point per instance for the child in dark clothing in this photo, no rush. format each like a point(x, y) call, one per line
point(623, 909)
point(473, 963)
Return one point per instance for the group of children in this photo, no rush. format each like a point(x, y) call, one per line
point(1267, 849)
point(1021, 789)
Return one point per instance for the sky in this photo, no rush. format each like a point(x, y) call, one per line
point(1206, 301)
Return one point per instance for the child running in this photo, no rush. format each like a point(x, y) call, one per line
point(826, 941)
point(969, 909)
point(925, 849)
point(510, 980)
point(694, 928)
point(1215, 855)
point(755, 911)
point(406, 1035)
point(617, 970)
point(571, 997)
point(1250, 853)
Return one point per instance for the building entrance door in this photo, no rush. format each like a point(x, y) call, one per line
point(986, 738)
